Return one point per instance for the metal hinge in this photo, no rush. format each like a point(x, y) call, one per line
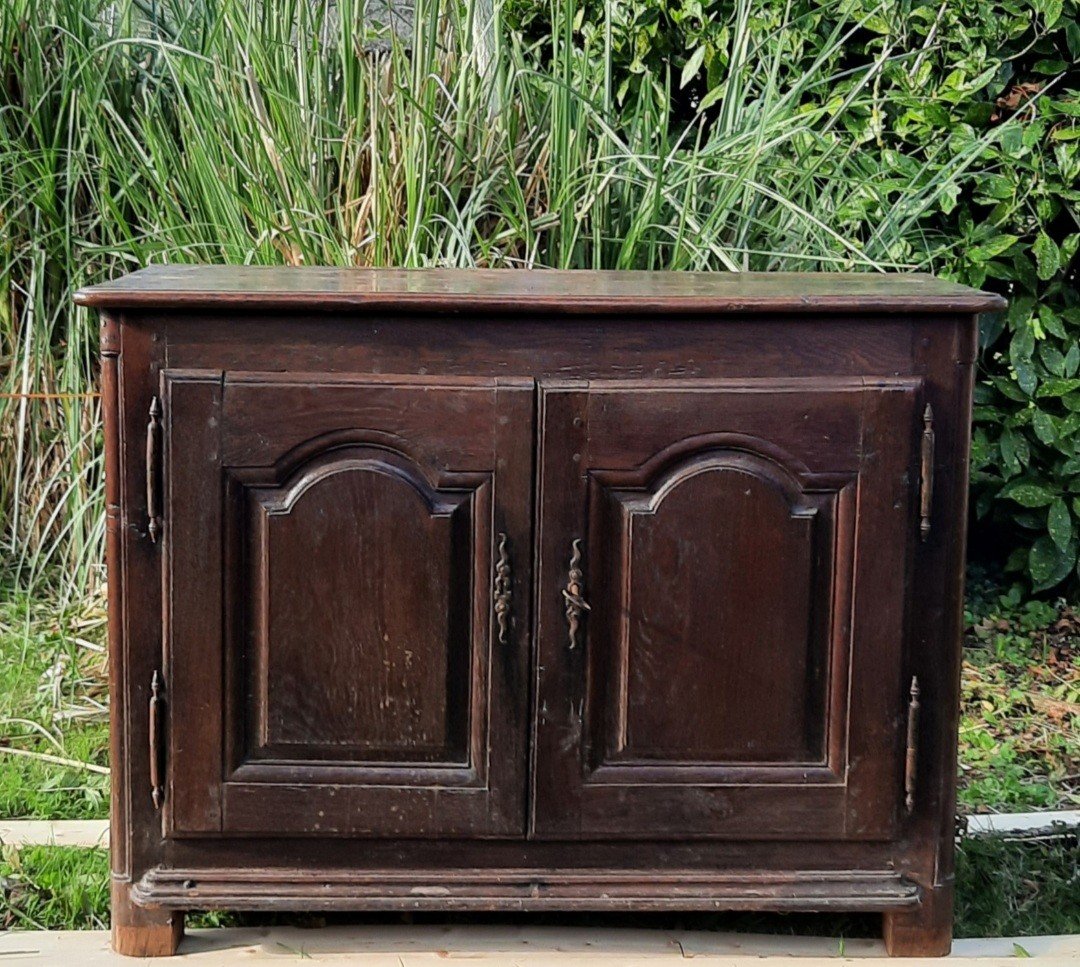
point(926, 475)
point(157, 744)
point(911, 759)
point(153, 470)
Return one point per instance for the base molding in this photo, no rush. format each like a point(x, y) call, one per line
point(510, 890)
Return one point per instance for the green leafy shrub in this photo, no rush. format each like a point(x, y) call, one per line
point(268, 131)
point(750, 134)
point(951, 72)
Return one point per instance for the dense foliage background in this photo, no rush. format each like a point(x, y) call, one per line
point(951, 71)
point(645, 133)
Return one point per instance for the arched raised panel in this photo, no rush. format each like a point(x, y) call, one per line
point(344, 662)
point(331, 666)
point(715, 583)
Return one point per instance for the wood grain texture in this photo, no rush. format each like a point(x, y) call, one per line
point(143, 929)
point(922, 931)
point(194, 651)
point(721, 628)
point(357, 689)
point(716, 521)
point(446, 290)
point(526, 889)
point(114, 538)
point(340, 668)
point(342, 450)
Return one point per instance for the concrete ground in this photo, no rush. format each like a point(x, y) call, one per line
point(502, 946)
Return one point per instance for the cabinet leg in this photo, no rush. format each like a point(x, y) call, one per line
point(143, 931)
point(924, 932)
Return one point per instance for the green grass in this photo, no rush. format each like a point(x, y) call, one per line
point(54, 888)
point(53, 706)
point(268, 132)
point(1018, 889)
point(1020, 719)
point(1004, 889)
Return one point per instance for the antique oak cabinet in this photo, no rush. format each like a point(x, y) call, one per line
point(496, 590)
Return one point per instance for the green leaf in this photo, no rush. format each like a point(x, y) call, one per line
point(1072, 359)
point(1049, 564)
point(1014, 451)
point(1059, 523)
point(1027, 494)
point(1009, 459)
point(692, 66)
point(711, 98)
point(1068, 426)
point(1009, 389)
point(1057, 387)
point(1019, 951)
point(1047, 258)
point(1053, 358)
point(1051, 323)
point(950, 193)
point(1026, 377)
point(996, 186)
point(1072, 38)
point(991, 247)
point(1043, 424)
point(1051, 11)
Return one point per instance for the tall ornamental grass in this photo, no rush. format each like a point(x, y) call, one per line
point(284, 131)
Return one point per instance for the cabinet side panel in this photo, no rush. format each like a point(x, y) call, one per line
point(946, 355)
point(141, 356)
point(110, 405)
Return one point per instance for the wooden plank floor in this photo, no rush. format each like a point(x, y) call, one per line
point(502, 946)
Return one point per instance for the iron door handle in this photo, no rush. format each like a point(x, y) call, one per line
point(573, 593)
point(502, 590)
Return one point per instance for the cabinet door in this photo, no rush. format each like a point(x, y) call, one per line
point(335, 550)
point(722, 586)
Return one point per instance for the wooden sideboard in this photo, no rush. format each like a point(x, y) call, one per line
point(507, 590)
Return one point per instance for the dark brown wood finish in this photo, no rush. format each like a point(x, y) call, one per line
point(543, 290)
point(333, 614)
point(344, 475)
point(745, 551)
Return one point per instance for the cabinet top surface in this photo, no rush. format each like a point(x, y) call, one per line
point(538, 290)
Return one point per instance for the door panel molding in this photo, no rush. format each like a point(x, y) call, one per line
point(348, 663)
point(623, 507)
point(450, 526)
point(792, 496)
